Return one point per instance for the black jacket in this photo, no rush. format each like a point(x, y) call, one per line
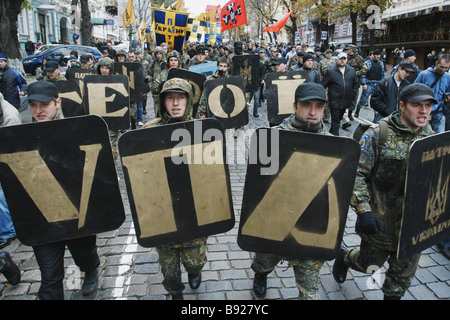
point(342, 88)
point(10, 84)
point(385, 96)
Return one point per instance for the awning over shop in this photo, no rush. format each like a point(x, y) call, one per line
point(415, 14)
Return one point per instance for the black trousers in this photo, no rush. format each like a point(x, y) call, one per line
point(50, 258)
point(336, 117)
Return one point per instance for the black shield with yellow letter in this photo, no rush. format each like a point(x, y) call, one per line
point(78, 75)
point(109, 98)
point(297, 192)
point(134, 71)
point(226, 101)
point(280, 93)
point(71, 98)
point(426, 208)
point(247, 66)
point(177, 181)
point(197, 81)
point(60, 180)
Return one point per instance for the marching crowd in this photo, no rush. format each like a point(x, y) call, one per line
point(340, 83)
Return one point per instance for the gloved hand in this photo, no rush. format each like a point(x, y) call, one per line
point(367, 223)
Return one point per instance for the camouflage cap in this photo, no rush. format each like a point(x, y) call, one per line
point(106, 61)
point(121, 52)
point(173, 53)
point(159, 49)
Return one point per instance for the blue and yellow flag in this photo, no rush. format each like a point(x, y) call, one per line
point(170, 27)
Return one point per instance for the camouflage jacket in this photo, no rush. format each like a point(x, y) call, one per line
point(380, 178)
point(58, 78)
point(269, 65)
point(325, 64)
point(357, 62)
point(287, 125)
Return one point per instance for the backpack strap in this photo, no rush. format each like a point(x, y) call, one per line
point(383, 135)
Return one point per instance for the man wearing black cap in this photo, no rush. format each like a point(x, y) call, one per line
point(53, 72)
point(410, 56)
point(280, 65)
point(385, 97)
point(44, 104)
point(86, 61)
point(313, 74)
point(200, 57)
point(378, 193)
point(375, 72)
point(309, 106)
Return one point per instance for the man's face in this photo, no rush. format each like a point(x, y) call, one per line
point(328, 55)
point(84, 65)
point(341, 62)
point(280, 67)
point(44, 111)
point(415, 115)
point(176, 103)
point(201, 57)
point(222, 66)
point(309, 110)
point(104, 70)
point(159, 56)
point(53, 74)
point(442, 67)
point(402, 74)
point(274, 54)
point(308, 63)
point(131, 57)
point(173, 62)
point(2, 63)
point(411, 59)
point(262, 54)
point(376, 57)
point(121, 58)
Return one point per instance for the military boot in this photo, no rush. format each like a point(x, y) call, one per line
point(90, 282)
point(194, 280)
point(9, 269)
point(260, 285)
point(339, 267)
point(177, 296)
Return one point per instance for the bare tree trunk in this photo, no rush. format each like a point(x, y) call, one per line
point(86, 25)
point(353, 17)
point(9, 40)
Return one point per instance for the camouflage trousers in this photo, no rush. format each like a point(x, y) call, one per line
point(156, 106)
point(133, 114)
point(399, 274)
point(191, 253)
point(307, 272)
point(113, 138)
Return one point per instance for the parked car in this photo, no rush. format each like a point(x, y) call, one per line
point(31, 63)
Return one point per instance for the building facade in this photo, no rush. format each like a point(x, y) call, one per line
point(44, 22)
